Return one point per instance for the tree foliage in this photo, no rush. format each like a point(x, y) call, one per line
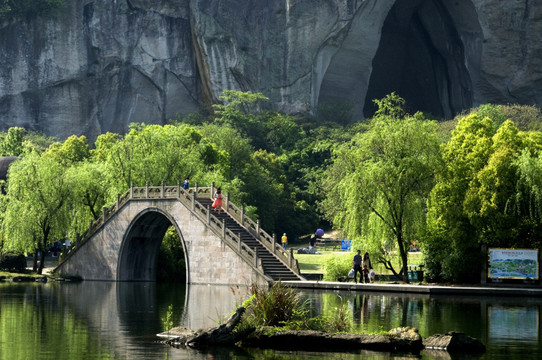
point(36, 206)
point(383, 177)
point(484, 195)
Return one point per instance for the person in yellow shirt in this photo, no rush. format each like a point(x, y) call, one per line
point(284, 240)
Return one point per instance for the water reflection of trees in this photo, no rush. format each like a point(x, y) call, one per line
point(376, 312)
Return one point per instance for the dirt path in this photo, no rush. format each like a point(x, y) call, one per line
point(50, 264)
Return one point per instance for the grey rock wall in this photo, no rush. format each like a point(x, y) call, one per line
point(101, 64)
point(98, 66)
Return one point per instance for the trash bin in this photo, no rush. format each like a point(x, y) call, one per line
point(412, 275)
point(419, 275)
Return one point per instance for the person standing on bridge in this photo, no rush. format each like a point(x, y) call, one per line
point(186, 183)
point(217, 203)
point(284, 240)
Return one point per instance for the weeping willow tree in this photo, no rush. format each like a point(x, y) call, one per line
point(379, 181)
point(380, 241)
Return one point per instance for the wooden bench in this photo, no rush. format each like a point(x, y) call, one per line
point(331, 243)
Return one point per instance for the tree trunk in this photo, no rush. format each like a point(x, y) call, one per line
point(42, 261)
point(404, 258)
point(43, 246)
point(35, 261)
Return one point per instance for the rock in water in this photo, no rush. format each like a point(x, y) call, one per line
point(225, 334)
point(454, 342)
point(406, 339)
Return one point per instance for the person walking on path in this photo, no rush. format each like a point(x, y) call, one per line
point(284, 240)
point(356, 265)
point(217, 203)
point(186, 183)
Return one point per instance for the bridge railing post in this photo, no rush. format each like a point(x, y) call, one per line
point(193, 201)
point(208, 214)
point(224, 228)
point(239, 243)
point(104, 210)
point(227, 200)
point(131, 190)
point(291, 257)
point(163, 190)
point(212, 190)
point(256, 258)
point(274, 243)
point(179, 188)
point(147, 190)
point(195, 195)
point(243, 215)
point(118, 201)
point(258, 227)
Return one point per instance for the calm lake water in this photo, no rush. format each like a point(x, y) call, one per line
point(102, 320)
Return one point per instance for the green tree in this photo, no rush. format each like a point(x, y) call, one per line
point(12, 144)
point(384, 174)
point(482, 196)
point(449, 249)
point(91, 190)
point(157, 153)
point(36, 212)
point(73, 150)
point(241, 111)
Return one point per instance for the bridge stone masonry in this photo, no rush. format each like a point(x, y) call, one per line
point(227, 248)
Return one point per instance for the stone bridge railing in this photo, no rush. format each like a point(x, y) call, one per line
point(188, 198)
point(255, 229)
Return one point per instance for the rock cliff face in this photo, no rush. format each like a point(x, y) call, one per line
point(99, 65)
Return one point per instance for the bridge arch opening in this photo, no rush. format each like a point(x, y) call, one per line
point(426, 50)
point(139, 253)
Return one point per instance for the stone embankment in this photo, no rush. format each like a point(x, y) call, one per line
point(23, 278)
point(404, 340)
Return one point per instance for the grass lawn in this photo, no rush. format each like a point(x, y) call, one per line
point(315, 262)
point(10, 275)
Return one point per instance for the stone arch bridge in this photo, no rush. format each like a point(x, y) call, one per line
point(226, 248)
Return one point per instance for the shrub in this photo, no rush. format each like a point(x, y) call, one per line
point(340, 320)
point(13, 262)
point(337, 266)
point(273, 306)
point(280, 307)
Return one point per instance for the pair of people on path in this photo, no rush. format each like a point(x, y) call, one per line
point(363, 266)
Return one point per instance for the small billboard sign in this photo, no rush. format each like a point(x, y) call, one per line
point(513, 264)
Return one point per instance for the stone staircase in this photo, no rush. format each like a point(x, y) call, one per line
point(272, 265)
